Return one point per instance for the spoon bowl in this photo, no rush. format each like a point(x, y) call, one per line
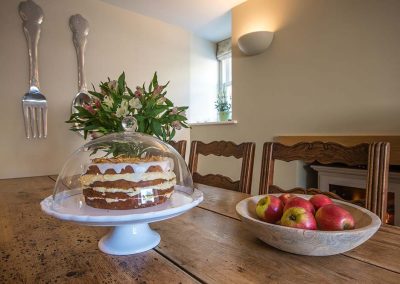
point(80, 99)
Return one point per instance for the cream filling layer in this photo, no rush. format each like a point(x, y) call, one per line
point(134, 177)
point(137, 190)
point(108, 200)
point(111, 200)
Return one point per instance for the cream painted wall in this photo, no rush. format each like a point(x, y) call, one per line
point(203, 80)
point(118, 40)
point(332, 68)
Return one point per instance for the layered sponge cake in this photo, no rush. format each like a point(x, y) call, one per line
point(128, 183)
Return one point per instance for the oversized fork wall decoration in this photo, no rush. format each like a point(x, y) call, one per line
point(34, 104)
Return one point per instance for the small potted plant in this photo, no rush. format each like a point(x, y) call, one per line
point(223, 106)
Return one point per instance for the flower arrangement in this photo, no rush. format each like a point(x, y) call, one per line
point(155, 114)
point(222, 103)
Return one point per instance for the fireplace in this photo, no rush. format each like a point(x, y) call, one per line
point(350, 183)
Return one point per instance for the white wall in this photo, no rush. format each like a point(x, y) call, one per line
point(203, 80)
point(333, 68)
point(118, 41)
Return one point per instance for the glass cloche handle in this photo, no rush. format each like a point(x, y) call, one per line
point(129, 123)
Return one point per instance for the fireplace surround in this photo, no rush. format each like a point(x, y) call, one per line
point(350, 184)
point(350, 181)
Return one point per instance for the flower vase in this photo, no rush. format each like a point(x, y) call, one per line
point(224, 115)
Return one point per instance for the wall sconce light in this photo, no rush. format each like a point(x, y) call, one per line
point(255, 42)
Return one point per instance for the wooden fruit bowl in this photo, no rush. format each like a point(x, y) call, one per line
point(309, 242)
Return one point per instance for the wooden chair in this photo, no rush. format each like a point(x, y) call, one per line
point(225, 149)
point(375, 156)
point(180, 147)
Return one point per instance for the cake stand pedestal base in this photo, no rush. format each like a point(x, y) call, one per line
point(129, 239)
point(131, 232)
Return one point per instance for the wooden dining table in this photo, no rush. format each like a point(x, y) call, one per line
point(208, 244)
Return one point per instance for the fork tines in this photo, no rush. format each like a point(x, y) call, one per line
point(35, 117)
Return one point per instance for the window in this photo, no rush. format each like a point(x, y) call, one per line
point(225, 81)
point(210, 73)
point(224, 56)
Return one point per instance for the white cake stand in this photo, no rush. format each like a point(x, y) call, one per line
point(131, 232)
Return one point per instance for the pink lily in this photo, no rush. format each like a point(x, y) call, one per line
point(89, 108)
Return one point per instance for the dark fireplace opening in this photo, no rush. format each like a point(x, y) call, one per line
point(357, 196)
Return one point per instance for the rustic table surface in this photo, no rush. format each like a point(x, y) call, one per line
point(207, 244)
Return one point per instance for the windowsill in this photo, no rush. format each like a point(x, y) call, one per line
point(229, 122)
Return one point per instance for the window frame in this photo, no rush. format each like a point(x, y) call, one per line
point(225, 76)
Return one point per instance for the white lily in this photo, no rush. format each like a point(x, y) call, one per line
point(108, 101)
point(123, 109)
point(135, 103)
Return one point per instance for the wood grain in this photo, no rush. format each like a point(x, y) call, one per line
point(221, 200)
point(220, 250)
point(179, 146)
point(36, 248)
point(322, 152)
point(382, 249)
point(54, 177)
point(348, 140)
point(217, 180)
point(245, 151)
point(200, 244)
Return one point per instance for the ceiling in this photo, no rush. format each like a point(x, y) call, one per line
point(209, 19)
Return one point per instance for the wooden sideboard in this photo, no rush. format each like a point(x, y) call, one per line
point(348, 141)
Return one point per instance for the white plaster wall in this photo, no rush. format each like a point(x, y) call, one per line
point(203, 80)
point(118, 41)
point(333, 68)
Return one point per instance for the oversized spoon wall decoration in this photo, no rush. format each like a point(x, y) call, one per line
point(80, 30)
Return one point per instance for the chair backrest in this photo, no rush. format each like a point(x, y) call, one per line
point(225, 149)
point(180, 147)
point(374, 155)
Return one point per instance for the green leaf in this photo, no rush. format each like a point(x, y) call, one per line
point(169, 103)
point(90, 127)
point(164, 135)
point(96, 94)
point(173, 132)
point(180, 117)
point(141, 126)
point(154, 81)
point(130, 91)
point(121, 83)
point(156, 127)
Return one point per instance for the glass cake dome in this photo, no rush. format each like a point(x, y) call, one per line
point(122, 171)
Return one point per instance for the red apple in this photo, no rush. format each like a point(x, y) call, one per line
point(299, 202)
point(332, 217)
point(285, 197)
point(269, 209)
point(320, 200)
point(300, 218)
